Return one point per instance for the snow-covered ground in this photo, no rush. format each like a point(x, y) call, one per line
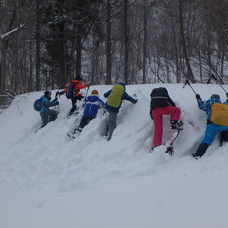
point(47, 181)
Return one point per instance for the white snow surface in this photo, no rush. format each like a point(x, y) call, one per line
point(47, 181)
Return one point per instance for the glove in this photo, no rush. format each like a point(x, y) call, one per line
point(227, 95)
point(55, 100)
point(198, 97)
point(135, 101)
point(61, 93)
point(79, 97)
point(57, 103)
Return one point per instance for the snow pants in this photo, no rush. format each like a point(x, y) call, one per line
point(110, 124)
point(74, 101)
point(211, 131)
point(84, 121)
point(157, 116)
point(48, 115)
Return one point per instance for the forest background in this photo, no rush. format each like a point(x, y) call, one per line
point(45, 43)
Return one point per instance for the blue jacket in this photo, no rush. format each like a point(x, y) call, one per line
point(46, 104)
point(206, 106)
point(125, 96)
point(93, 103)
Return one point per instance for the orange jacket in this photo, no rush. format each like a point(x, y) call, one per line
point(77, 87)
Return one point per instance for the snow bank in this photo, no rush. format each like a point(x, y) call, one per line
point(47, 181)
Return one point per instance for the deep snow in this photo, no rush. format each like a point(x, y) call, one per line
point(50, 182)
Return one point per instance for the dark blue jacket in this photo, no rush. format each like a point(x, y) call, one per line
point(93, 103)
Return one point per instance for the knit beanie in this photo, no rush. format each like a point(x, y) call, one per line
point(215, 96)
point(94, 92)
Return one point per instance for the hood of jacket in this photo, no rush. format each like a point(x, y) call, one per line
point(92, 98)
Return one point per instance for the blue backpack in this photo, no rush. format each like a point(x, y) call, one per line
point(70, 91)
point(37, 104)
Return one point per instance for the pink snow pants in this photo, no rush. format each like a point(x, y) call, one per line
point(157, 115)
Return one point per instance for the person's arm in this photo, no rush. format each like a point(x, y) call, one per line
point(170, 101)
point(129, 98)
point(48, 103)
point(107, 93)
point(202, 105)
point(101, 103)
point(80, 86)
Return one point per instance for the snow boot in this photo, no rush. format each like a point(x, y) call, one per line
point(223, 137)
point(176, 124)
point(201, 150)
point(152, 149)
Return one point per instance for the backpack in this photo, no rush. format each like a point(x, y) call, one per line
point(38, 104)
point(70, 91)
point(219, 114)
point(159, 97)
point(115, 97)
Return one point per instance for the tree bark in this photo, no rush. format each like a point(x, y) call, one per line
point(190, 75)
point(126, 43)
point(108, 44)
point(144, 41)
point(78, 64)
point(37, 81)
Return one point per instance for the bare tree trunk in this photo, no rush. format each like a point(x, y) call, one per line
point(126, 43)
point(95, 62)
point(3, 47)
point(144, 41)
point(78, 64)
point(30, 79)
point(109, 44)
point(190, 75)
point(3, 65)
point(200, 66)
point(37, 83)
point(62, 77)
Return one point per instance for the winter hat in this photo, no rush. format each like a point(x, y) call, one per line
point(215, 96)
point(47, 92)
point(95, 92)
point(78, 77)
point(122, 83)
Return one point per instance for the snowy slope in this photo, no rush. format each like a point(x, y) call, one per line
point(47, 181)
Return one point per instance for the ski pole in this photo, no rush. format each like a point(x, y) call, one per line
point(188, 83)
point(56, 98)
point(209, 80)
point(87, 90)
point(212, 76)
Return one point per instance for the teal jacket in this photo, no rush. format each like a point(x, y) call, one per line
point(46, 104)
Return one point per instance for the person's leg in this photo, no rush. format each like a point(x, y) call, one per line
point(201, 150)
point(157, 115)
point(53, 114)
point(173, 111)
point(84, 121)
point(210, 133)
point(111, 124)
point(44, 118)
point(104, 124)
point(223, 135)
point(73, 101)
point(209, 136)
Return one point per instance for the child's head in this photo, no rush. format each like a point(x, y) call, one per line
point(94, 92)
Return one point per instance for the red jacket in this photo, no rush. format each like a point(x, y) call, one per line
point(77, 87)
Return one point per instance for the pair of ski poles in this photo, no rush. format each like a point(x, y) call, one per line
point(187, 82)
